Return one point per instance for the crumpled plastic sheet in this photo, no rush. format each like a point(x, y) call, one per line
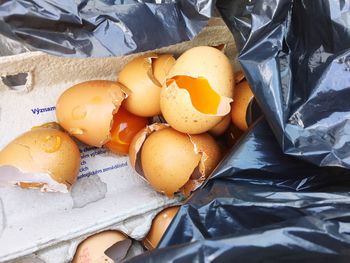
point(98, 28)
point(296, 55)
point(262, 206)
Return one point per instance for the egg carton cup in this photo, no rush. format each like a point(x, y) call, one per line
point(47, 227)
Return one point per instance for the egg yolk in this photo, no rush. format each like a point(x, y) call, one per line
point(125, 126)
point(203, 97)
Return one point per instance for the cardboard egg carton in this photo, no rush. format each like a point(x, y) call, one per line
point(108, 193)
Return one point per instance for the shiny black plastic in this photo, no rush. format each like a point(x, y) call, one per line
point(296, 55)
point(98, 28)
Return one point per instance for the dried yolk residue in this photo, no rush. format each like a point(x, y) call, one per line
point(203, 97)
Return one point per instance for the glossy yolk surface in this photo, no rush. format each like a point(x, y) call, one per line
point(203, 97)
point(125, 127)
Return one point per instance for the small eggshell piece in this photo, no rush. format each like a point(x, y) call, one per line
point(221, 127)
point(159, 225)
point(243, 96)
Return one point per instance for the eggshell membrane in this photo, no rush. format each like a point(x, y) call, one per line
point(168, 160)
point(94, 247)
point(43, 151)
point(159, 225)
point(177, 102)
point(243, 96)
point(221, 127)
point(86, 110)
point(144, 76)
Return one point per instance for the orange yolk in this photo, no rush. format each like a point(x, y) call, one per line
point(125, 127)
point(203, 97)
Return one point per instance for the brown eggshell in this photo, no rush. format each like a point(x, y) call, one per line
point(139, 139)
point(93, 249)
point(43, 158)
point(243, 96)
point(221, 127)
point(177, 105)
point(168, 160)
point(159, 225)
point(161, 67)
point(178, 111)
point(144, 76)
point(86, 110)
point(239, 76)
point(210, 152)
point(209, 63)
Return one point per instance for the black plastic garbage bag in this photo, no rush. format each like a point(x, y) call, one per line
point(296, 55)
point(98, 28)
point(262, 206)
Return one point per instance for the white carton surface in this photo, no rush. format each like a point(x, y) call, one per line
point(108, 193)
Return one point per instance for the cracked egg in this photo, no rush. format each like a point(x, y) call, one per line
point(198, 90)
point(86, 110)
point(144, 77)
point(105, 247)
point(172, 161)
point(44, 158)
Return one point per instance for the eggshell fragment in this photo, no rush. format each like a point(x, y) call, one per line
point(239, 76)
point(221, 127)
point(144, 77)
point(86, 110)
point(42, 158)
point(198, 90)
point(161, 66)
point(159, 225)
point(210, 153)
point(243, 97)
point(104, 247)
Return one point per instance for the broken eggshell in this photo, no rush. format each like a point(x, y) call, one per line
point(125, 126)
point(44, 158)
point(137, 142)
point(242, 98)
point(159, 225)
point(105, 247)
point(198, 91)
point(86, 110)
point(144, 77)
point(171, 161)
point(221, 127)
